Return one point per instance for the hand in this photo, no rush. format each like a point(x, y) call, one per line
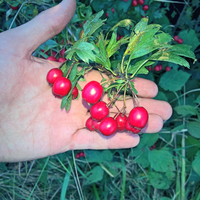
point(32, 125)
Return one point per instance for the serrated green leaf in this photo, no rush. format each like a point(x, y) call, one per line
point(141, 26)
point(93, 24)
point(94, 175)
point(158, 180)
point(186, 110)
point(148, 140)
point(169, 56)
point(193, 129)
point(173, 80)
point(98, 156)
point(161, 160)
point(142, 158)
point(182, 50)
point(133, 87)
point(68, 104)
point(196, 163)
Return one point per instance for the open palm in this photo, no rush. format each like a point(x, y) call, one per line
point(32, 125)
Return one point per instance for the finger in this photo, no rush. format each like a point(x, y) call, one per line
point(85, 139)
point(46, 25)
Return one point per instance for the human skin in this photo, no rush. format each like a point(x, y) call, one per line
point(32, 125)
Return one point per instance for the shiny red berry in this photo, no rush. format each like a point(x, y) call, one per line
point(128, 127)
point(121, 121)
point(92, 92)
point(61, 87)
point(145, 7)
point(62, 52)
point(74, 92)
point(54, 74)
point(52, 58)
point(108, 126)
point(95, 124)
point(99, 110)
point(157, 68)
point(88, 124)
point(138, 117)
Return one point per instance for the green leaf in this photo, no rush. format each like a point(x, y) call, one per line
point(93, 23)
point(139, 67)
point(159, 180)
point(183, 50)
point(142, 158)
point(165, 198)
point(148, 140)
point(190, 37)
point(133, 87)
point(173, 80)
point(196, 163)
point(73, 72)
point(64, 101)
point(94, 175)
point(123, 23)
point(186, 110)
point(161, 160)
point(98, 156)
point(169, 56)
point(141, 26)
point(68, 104)
point(197, 100)
point(193, 129)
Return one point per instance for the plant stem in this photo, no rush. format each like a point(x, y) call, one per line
point(122, 63)
point(70, 69)
point(137, 68)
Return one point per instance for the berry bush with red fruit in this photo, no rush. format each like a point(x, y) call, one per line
point(124, 39)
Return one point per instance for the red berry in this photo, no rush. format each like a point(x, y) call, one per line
point(145, 7)
point(61, 87)
point(54, 53)
point(52, 58)
point(180, 40)
point(61, 60)
point(62, 52)
point(157, 68)
point(113, 10)
point(141, 2)
point(138, 117)
point(128, 127)
point(121, 121)
point(107, 14)
point(88, 124)
point(92, 92)
point(118, 37)
point(99, 110)
point(134, 3)
point(95, 124)
point(14, 7)
point(167, 68)
point(108, 126)
point(82, 154)
point(160, 67)
point(74, 92)
point(176, 37)
point(78, 155)
point(54, 74)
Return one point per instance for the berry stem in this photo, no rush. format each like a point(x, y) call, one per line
point(136, 104)
point(112, 79)
point(125, 97)
point(116, 94)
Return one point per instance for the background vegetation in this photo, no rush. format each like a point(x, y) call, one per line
point(165, 165)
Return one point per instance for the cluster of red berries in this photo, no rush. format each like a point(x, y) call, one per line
point(61, 85)
point(79, 155)
point(158, 68)
point(100, 121)
point(141, 2)
point(177, 39)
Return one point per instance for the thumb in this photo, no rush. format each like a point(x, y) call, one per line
point(46, 25)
